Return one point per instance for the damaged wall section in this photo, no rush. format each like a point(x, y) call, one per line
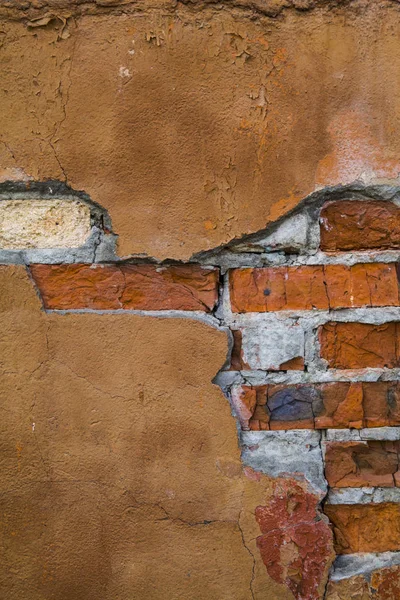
point(313, 309)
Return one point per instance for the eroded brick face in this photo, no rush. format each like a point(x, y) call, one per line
point(340, 383)
point(360, 345)
point(362, 464)
point(381, 584)
point(360, 225)
point(365, 528)
point(295, 543)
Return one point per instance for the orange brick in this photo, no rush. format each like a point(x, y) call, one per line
point(342, 406)
point(359, 345)
point(134, 287)
point(359, 225)
point(313, 287)
point(381, 403)
point(362, 464)
point(328, 405)
point(365, 528)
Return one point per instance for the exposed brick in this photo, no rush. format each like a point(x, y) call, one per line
point(362, 464)
point(134, 287)
point(323, 405)
point(244, 400)
point(294, 364)
point(366, 527)
point(342, 406)
point(291, 407)
point(313, 287)
point(237, 362)
point(385, 584)
point(381, 402)
point(359, 225)
point(359, 345)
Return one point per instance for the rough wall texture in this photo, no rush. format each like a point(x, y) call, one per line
point(196, 123)
point(199, 274)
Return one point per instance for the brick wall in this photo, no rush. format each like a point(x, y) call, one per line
point(316, 347)
point(312, 308)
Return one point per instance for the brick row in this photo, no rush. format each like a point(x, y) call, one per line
point(313, 287)
point(318, 406)
point(129, 287)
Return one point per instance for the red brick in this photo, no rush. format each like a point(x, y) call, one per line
point(366, 527)
point(342, 406)
point(321, 406)
point(362, 464)
point(294, 364)
point(359, 345)
point(244, 400)
point(359, 225)
point(313, 287)
point(237, 361)
point(381, 403)
point(385, 584)
point(130, 287)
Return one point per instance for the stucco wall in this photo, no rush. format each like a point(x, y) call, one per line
point(193, 124)
point(136, 133)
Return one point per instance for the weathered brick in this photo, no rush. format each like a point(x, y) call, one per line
point(324, 405)
point(359, 345)
point(237, 362)
point(291, 407)
point(313, 287)
point(381, 403)
point(129, 287)
point(366, 527)
point(341, 406)
point(321, 406)
point(359, 225)
point(244, 400)
point(362, 464)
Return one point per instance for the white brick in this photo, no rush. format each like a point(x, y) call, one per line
point(40, 223)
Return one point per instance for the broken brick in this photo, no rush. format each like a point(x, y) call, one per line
point(362, 464)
